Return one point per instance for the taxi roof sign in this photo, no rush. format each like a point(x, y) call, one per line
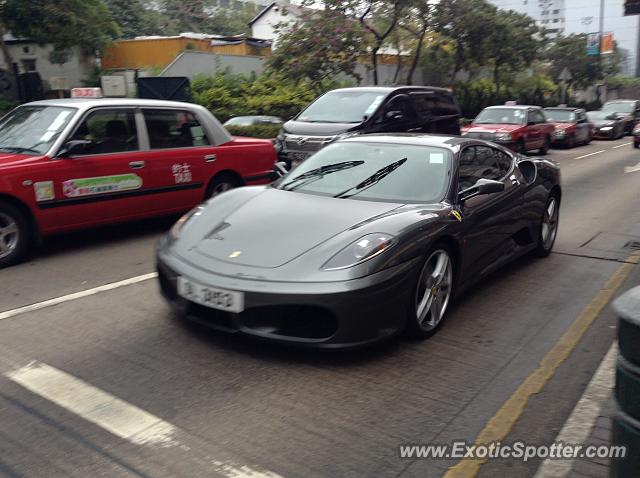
point(86, 93)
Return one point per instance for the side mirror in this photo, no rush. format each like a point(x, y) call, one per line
point(74, 147)
point(481, 187)
point(531, 123)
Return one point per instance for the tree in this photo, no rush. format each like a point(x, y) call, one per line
point(571, 52)
point(417, 22)
point(135, 19)
point(321, 44)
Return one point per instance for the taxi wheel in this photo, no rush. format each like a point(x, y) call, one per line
point(222, 183)
point(14, 235)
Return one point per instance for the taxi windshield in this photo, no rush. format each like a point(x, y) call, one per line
point(33, 129)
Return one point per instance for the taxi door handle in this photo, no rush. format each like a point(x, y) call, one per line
point(136, 164)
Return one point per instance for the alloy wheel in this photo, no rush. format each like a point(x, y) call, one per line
point(550, 223)
point(9, 235)
point(434, 289)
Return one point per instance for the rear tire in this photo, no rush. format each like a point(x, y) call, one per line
point(222, 183)
point(14, 235)
point(521, 148)
point(548, 227)
point(432, 294)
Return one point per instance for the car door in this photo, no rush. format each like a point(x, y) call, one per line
point(489, 221)
point(178, 152)
point(103, 179)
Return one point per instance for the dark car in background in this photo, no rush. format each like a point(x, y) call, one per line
point(636, 136)
point(362, 110)
point(572, 127)
point(519, 128)
point(628, 111)
point(607, 125)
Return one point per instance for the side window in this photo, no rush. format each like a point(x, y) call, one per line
point(173, 129)
point(504, 162)
point(478, 162)
point(108, 131)
point(537, 117)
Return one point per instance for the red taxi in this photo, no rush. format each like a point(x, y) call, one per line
point(74, 163)
point(572, 127)
point(520, 128)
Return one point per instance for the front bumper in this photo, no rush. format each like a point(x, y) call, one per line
point(324, 315)
point(604, 134)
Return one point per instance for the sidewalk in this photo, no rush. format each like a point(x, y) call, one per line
point(588, 424)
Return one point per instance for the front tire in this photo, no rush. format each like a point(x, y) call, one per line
point(548, 227)
point(14, 235)
point(432, 294)
point(545, 147)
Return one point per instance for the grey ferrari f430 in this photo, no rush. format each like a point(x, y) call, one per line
point(371, 236)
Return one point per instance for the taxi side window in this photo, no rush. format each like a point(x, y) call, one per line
point(174, 129)
point(108, 131)
point(478, 162)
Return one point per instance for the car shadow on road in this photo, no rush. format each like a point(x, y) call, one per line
point(98, 237)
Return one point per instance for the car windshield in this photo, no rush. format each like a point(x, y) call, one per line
point(342, 107)
point(375, 172)
point(241, 121)
point(618, 107)
point(599, 115)
point(560, 116)
point(32, 129)
point(500, 116)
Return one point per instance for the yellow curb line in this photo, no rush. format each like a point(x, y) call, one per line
point(505, 418)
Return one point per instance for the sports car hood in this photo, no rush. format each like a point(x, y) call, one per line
point(274, 227)
point(601, 123)
point(493, 128)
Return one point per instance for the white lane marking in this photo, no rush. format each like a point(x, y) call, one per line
point(114, 415)
point(621, 145)
point(590, 154)
point(578, 427)
point(76, 295)
point(632, 169)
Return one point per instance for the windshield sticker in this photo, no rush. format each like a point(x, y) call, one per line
point(373, 106)
point(181, 173)
point(47, 136)
point(436, 158)
point(44, 191)
point(59, 121)
point(74, 188)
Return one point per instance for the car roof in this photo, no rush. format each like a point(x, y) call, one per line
point(391, 89)
point(562, 108)
point(511, 107)
point(87, 103)
point(621, 100)
point(417, 139)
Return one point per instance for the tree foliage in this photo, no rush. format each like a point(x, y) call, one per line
point(64, 23)
point(322, 44)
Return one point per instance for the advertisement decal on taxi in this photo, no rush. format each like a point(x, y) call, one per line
point(74, 188)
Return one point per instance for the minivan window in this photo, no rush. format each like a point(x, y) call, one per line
point(343, 107)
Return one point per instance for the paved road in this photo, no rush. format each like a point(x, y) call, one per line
point(111, 385)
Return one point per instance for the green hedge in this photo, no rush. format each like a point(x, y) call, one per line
point(255, 131)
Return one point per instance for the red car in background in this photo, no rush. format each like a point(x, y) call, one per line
point(520, 128)
point(74, 163)
point(572, 127)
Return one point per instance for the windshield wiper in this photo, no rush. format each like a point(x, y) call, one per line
point(318, 173)
point(375, 178)
point(18, 149)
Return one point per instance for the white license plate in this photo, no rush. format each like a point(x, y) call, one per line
point(213, 297)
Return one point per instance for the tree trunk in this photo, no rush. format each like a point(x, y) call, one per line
point(398, 66)
point(374, 63)
point(416, 56)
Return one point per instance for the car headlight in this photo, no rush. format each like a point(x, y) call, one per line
point(504, 137)
point(606, 128)
point(560, 132)
point(359, 251)
point(174, 232)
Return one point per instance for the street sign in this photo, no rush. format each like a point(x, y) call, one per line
point(593, 44)
point(565, 75)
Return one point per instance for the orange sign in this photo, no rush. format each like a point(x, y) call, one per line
point(606, 46)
